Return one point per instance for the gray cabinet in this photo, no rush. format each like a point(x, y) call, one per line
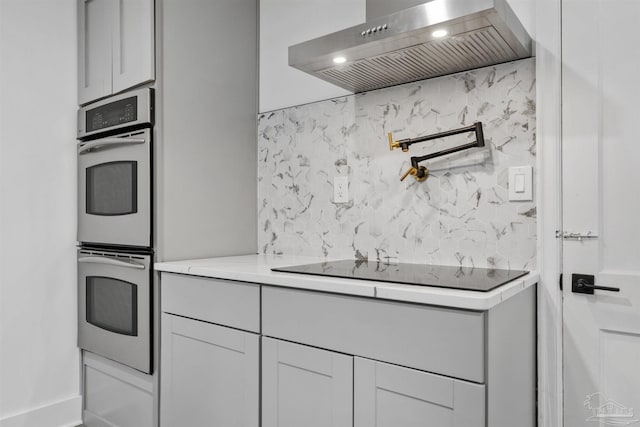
point(210, 374)
point(114, 394)
point(206, 99)
point(341, 361)
point(115, 46)
point(94, 49)
point(224, 302)
point(484, 361)
point(442, 340)
point(133, 44)
point(392, 396)
point(305, 386)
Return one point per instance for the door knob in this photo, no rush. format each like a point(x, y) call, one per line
point(585, 284)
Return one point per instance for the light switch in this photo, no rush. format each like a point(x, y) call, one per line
point(521, 183)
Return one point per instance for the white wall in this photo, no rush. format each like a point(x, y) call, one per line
point(525, 10)
point(39, 361)
point(287, 22)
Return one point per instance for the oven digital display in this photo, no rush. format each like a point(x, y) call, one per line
point(112, 114)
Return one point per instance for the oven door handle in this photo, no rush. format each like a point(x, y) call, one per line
point(111, 261)
point(109, 141)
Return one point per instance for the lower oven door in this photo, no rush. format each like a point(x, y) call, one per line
point(114, 190)
point(114, 301)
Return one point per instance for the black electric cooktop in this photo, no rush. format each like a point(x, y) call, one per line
point(440, 276)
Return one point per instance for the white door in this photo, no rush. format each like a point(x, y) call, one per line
point(601, 194)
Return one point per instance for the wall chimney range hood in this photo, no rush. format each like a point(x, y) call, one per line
point(408, 40)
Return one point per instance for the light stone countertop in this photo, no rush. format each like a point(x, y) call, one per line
point(257, 269)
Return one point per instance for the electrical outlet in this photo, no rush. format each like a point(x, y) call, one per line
point(341, 189)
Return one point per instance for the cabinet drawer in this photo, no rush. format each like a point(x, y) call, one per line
point(234, 304)
point(114, 394)
point(445, 341)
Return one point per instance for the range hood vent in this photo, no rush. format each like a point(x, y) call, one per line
point(403, 47)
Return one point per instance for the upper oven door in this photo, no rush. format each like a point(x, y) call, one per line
point(114, 193)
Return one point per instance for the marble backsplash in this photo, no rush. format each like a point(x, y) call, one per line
point(460, 216)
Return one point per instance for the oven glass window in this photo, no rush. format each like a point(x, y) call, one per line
point(112, 305)
point(112, 188)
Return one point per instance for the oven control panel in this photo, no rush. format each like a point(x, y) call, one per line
point(131, 109)
point(113, 114)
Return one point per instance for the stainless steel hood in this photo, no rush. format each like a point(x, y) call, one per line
point(431, 39)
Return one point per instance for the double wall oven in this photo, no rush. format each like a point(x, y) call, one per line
point(115, 257)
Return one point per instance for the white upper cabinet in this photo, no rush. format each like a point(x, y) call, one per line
point(132, 43)
point(94, 50)
point(115, 46)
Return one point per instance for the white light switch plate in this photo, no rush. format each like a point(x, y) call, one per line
point(521, 183)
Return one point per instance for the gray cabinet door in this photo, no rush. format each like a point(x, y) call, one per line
point(115, 46)
point(305, 386)
point(133, 44)
point(393, 396)
point(209, 375)
point(94, 49)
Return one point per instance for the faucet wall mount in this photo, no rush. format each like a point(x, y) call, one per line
point(420, 173)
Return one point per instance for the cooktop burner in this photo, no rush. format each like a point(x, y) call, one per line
point(441, 276)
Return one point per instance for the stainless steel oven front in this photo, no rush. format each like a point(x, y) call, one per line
point(115, 172)
point(114, 299)
point(114, 193)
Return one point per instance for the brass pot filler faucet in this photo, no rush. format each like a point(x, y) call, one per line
point(420, 173)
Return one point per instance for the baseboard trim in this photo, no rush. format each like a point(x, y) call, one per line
point(65, 413)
